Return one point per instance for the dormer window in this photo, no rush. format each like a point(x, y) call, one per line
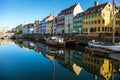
point(86, 12)
point(92, 11)
point(99, 9)
point(69, 11)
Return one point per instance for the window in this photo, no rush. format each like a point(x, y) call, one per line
point(93, 16)
point(98, 29)
point(99, 10)
point(111, 29)
point(95, 22)
point(105, 29)
point(102, 28)
point(99, 21)
point(103, 14)
point(92, 11)
point(92, 22)
point(98, 14)
point(103, 21)
point(85, 12)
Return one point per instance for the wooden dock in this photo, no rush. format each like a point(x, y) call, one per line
point(99, 50)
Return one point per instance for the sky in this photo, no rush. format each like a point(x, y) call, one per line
point(15, 12)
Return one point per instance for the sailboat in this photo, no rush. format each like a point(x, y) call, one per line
point(114, 46)
point(55, 40)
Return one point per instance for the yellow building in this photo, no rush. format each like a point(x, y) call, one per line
point(117, 23)
point(49, 27)
point(98, 19)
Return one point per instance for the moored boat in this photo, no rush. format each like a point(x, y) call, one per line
point(55, 41)
point(113, 47)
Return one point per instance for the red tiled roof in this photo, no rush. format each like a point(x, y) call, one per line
point(95, 8)
point(68, 10)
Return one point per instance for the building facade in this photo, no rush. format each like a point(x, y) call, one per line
point(98, 19)
point(3, 32)
point(65, 18)
point(77, 24)
point(60, 23)
point(117, 23)
point(49, 26)
point(69, 15)
point(44, 21)
point(37, 27)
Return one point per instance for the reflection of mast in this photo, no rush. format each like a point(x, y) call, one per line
point(95, 77)
point(53, 65)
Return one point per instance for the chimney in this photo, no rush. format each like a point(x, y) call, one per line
point(96, 3)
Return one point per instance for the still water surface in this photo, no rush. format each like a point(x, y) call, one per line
point(26, 60)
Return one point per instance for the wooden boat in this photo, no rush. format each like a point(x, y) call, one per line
point(55, 41)
point(112, 47)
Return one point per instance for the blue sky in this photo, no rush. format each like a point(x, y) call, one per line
point(15, 12)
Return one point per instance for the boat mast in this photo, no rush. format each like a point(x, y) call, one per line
point(53, 17)
point(113, 38)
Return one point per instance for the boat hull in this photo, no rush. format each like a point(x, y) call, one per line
point(111, 47)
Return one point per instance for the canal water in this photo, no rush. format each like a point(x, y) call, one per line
point(27, 60)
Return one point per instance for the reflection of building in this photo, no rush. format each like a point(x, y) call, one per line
point(100, 66)
point(4, 42)
point(76, 61)
point(71, 60)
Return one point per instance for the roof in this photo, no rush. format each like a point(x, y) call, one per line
point(68, 10)
point(96, 9)
point(79, 15)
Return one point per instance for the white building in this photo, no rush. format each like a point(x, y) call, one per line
point(69, 15)
point(3, 31)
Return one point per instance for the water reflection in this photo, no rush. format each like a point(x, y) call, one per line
point(81, 63)
point(4, 41)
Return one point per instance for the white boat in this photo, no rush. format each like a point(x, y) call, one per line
point(55, 41)
point(115, 47)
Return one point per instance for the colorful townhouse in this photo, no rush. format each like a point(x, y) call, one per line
point(69, 15)
point(49, 26)
point(77, 24)
point(65, 18)
point(43, 23)
point(97, 19)
point(117, 23)
point(37, 27)
point(25, 29)
point(60, 23)
point(30, 27)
